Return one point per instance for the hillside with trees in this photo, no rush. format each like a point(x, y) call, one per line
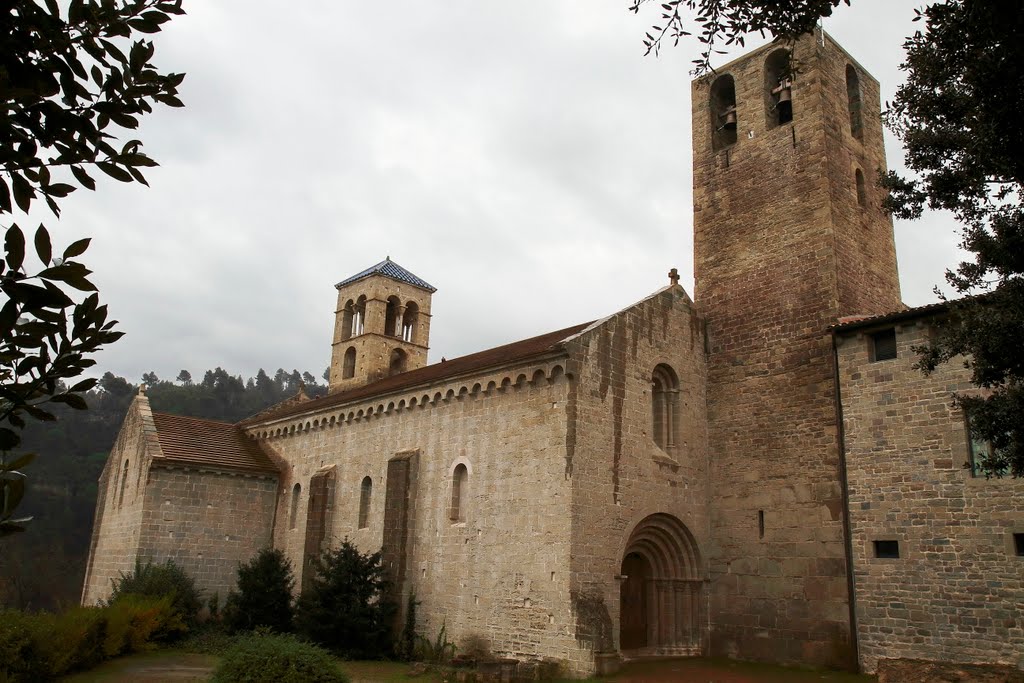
point(43, 567)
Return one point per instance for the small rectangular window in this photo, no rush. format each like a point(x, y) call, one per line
point(883, 344)
point(760, 523)
point(887, 549)
point(1018, 544)
point(979, 450)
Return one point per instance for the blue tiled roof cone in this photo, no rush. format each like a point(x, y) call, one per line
point(389, 268)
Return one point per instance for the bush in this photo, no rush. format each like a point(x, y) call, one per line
point(347, 607)
point(270, 658)
point(264, 596)
point(158, 581)
point(39, 647)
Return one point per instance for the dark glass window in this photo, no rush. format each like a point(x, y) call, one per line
point(887, 549)
point(883, 344)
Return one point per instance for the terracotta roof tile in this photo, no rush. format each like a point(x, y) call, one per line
point(853, 322)
point(474, 362)
point(221, 445)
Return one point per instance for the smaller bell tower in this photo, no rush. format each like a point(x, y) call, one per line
point(382, 325)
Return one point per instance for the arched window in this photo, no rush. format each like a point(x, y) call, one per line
point(124, 483)
point(460, 490)
point(778, 88)
point(296, 491)
point(346, 319)
point(723, 112)
point(862, 197)
point(409, 321)
point(365, 492)
point(853, 101)
point(348, 369)
point(393, 317)
point(398, 362)
point(664, 407)
point(358, 316)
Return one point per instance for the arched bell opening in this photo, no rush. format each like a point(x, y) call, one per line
point(724, 119)
point(778, 87)
point(662, 598)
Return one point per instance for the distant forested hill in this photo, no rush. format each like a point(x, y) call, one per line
point(43, 567)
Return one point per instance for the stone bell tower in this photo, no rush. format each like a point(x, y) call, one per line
point(382, 325)
point(789, 235)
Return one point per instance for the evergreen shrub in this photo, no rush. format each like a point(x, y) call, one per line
point(265, 657)
point(264, 596)
point(347, 607)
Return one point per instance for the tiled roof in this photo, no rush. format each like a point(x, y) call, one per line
point(856, 322)
point(474, 362)
point(389, 268)
point(195, 441)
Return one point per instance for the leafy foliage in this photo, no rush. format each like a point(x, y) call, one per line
point(42, 646)
point(160, 581)
point(726, 22)
point(956, 114)
point(67, 83)
point(346, 607)
point(269, 658)
point(437, 651)
point(264, 596)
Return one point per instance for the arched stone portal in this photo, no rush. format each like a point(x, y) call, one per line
point(662, 595)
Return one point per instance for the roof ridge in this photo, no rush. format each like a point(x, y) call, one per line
point(193, 417)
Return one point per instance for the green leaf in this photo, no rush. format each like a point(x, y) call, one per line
point(59, 189)
point(12, 490)
point(19, 462)
point(14, 245)
point(5, 196)
point(23, 192)
point(72, 400)
point(77, 248)
point(43, 247)
point(115, 172)
point(84, 178)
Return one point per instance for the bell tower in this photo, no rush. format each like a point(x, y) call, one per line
point(789, 235)
point(382, 325)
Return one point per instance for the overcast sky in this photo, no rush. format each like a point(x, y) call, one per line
point(525, 158)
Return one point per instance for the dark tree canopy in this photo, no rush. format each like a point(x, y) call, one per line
point(957, 117)
point(72, 76)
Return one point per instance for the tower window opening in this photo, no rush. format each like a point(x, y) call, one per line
point(778, 86)
point(358, 316)
point(862, 198)
point(348, 369)
point(346, 319)
point(1018, 544)
point(724, 118)
point(853, 102)
point(889, 550)
point(398, 363)
point(409, 321)
point(393, 317)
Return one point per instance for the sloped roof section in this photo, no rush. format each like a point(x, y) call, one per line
point(854, 322)
point(389, 268)
point(474, 362)
point(194, 441)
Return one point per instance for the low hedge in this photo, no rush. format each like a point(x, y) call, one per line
point(42, 646)
point(271, 658)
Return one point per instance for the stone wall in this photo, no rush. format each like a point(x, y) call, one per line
point(206, 522)
point(501, 572)
point(955, 592)
point(620, 476)
point(117, 524)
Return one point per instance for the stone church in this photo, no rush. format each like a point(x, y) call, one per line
point(756, 472)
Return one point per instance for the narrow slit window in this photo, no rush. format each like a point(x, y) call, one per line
point(124, 483)
point(862, 197)
point(296, 491)
point(460, 484)
point(760, 523)
point(887, 550)
point(853, 102)
point(365, 491)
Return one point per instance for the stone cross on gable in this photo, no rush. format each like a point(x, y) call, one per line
point(673, 276)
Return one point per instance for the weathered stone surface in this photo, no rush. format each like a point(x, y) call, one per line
point(922, 671)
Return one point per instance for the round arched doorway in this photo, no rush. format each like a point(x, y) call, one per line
point(662, 595)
